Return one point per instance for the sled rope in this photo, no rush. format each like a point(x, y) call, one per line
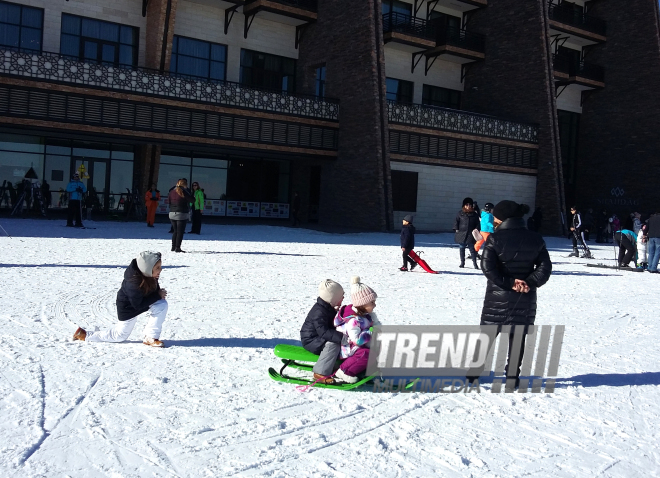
point(306, 388)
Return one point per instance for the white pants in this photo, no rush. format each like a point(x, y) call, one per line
point(121, 331)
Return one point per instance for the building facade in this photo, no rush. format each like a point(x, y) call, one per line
point(370, 110)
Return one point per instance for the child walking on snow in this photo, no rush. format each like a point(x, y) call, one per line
point(355, 322)
point(407, 243)
point(139, 293)
point(486, 225)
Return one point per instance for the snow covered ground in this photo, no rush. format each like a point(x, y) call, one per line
point(204, 406)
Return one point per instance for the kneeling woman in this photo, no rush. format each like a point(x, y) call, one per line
point(139, 293)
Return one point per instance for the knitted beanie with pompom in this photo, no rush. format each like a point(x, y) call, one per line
point(361, 294)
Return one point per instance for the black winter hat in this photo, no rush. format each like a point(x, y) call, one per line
point(489, 206)
point(506, 209)
point(467, 201)
point(408, 218)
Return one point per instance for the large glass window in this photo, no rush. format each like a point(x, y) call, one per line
point(399, 90)
point(98, 41)
point(320, 81)
point(261, 70)
point(442, 97)
point(396, 6)
point(21, 27)
point(198, 58)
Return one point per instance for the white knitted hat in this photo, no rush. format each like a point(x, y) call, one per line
point(146, 261)
point(361, 294)
point(331, 292)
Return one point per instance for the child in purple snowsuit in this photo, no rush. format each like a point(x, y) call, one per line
point(355, 321)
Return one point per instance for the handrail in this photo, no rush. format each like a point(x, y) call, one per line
point(409, 25)
point(572, 17)
point(64, 69)
point(581, 68)
point(461, 38)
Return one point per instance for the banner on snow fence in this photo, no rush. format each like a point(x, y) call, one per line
point(274, 210)
point(242, 209)
point(467, 352)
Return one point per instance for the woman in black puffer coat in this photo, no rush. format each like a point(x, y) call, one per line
point(466, 221)
point(516, 262)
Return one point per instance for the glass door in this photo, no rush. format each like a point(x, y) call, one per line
point(98, 185)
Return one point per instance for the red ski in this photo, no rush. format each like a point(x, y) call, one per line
point(422, 263)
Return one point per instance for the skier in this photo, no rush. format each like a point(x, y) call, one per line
point(407, 243)
point(626, 240)
point(139, 293)
point(466, 221)
point(318, 334)
point(151, 199)
point(76, 189)
point(577, 230)
point(198, 209)
point(515, 262)
point(355, 322)
point(486, 225)
point(179, 198)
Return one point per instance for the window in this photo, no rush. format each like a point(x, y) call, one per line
point(404, 191)
point(442, 97)
point(395, 6)
point(261, 70)
point(21, 27)
point(399, 90)
point(198, 58)
point(98, 41)
point(320, 81)
point(444, 20)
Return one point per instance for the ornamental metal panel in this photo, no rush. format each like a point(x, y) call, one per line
point(448, 119)
point(58, 68)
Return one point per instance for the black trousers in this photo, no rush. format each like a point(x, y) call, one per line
point(469, 245)
point(626, 248)
point(513, 364)
point(179, 228)
point(580, 234)
point(406, 258)
point(74, 212)
point(196, 221)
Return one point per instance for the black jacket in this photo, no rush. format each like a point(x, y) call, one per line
point(131, 302)
point(513, 252)
point(408, 237)
point(319, 327)
point(464, 224)
point(178, 203)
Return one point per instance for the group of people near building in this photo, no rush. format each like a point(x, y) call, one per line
point(638, 238)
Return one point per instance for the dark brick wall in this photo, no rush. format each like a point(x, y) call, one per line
point(515, 81)
point(355, 188)
point(619, 142)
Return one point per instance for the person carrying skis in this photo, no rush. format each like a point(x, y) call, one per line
point(76, 189)
point(318, 334)
point(407, 243)
point(577, 233)
point(626, 240)
point(515, 262)
point(355, 322)
point(466, 221)
point(486, 225)
point(151, 199)
point(139, 294)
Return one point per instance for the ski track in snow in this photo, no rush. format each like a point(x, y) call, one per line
point(205, 406)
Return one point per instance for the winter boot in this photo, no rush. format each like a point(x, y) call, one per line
point(462, 254)
point(575, 253)
point(412, 266)
point(323, 379)
point(342, 377)
point(153, 342)
point(475, 264)
point(80, 334)
point(403, 269)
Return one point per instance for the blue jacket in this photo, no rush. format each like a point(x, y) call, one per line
point(71, 188)
point(408, 237)
point(487, 222)
point(631, 235)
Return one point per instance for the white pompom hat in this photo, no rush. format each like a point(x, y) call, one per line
point(361, 294)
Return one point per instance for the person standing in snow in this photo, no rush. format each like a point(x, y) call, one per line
point(486, 225)
point(318, 334)
point(151, 199)
point(642, 258)
point(179, 198)
point(407, 242)
point(516, 262)
point(198, 209)
point(577, 232)
point(466, 221)
point(355, 321)
point(76, 189)
point(627, 241)
point(139, 293)
point(653, 235)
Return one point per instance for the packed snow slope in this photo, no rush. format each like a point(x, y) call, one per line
point(204, 406)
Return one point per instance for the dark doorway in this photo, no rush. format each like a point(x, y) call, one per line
point(314, 193)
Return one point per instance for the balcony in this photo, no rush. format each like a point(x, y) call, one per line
point(581, 73)
point(587, 29)
point(447, 119)
point(458, 45)
point(55, 68)
point(461, 5)
point(293, 12)
point(408, 30)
